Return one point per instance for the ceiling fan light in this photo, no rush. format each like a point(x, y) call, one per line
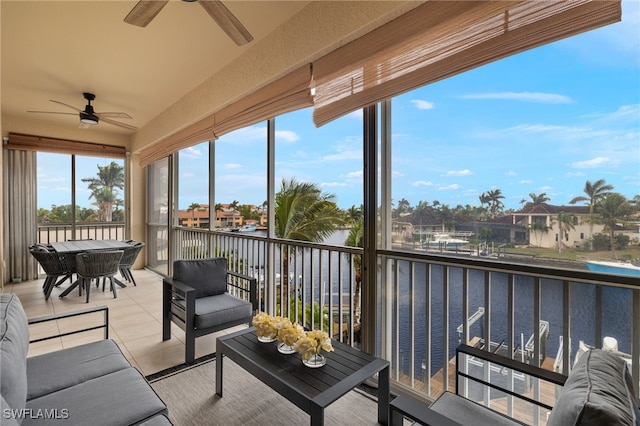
point(88, 119)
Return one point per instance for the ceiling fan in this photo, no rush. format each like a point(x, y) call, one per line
point(89, 117)
point(145, 10)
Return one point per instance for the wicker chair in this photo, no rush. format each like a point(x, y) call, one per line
point(128, 259)
point(54, 264)
point(98, 264)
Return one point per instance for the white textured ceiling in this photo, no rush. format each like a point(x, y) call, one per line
point(59, 49)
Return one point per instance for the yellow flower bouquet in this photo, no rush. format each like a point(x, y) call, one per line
point(288, 335)
point(311, 345)
point(266, 327)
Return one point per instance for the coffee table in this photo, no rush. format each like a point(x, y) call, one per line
point(310, 389)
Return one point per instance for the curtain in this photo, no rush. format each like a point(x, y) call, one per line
point(440, 39)
point(288, 93)
point(21, 212)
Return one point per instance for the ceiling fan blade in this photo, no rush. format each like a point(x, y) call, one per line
point(54, 112)
point(67, 105)
point(112, 115)
point(84, 125)
point(227, 21)
point(117, 123)
point(144, 12)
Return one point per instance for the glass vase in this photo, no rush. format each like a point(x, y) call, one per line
point(285, 349)
point(266, 339)
point(315, 361)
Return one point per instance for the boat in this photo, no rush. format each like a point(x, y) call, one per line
point(613, 267)
point(247, 228)
point(443, 240)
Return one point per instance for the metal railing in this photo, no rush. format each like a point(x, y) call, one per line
point(54, 232)
point(430, 303)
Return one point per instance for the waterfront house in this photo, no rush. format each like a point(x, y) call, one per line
point(186, 83)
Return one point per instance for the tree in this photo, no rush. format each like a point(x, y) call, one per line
point(595, 192)
point(614, 211)
point(492, 198)
point(234, 207)
point(104, 189)
point(565, 223)
point(538, 199)
point(356, 239)
point(192, 208)
point(302, 212)
point(538, 228)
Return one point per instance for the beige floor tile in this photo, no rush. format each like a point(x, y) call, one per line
point(135, 321)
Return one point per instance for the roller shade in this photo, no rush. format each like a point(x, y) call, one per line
point(283, 95)
point(440, 39)
point(63, 146)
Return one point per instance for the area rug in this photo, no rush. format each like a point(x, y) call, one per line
point(189, 392)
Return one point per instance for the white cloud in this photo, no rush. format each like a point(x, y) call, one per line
point(333, 184)
point(422, 183)
point(188, 175)
point(526, 181)
point(232, 166)
point(287, 136)
point(511, 173)
point(594, 162)
point(452, 187)
point(575, 174)
point(355, 175)
point(421, 104)
point(465, 172)
point(191, 153)
point(538, 97)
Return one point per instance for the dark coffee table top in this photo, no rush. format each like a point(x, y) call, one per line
point(345, 369)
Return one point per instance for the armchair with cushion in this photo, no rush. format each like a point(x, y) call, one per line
point(203, 297)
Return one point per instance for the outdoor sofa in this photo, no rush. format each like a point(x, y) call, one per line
point(598, 391)
point(89, 384)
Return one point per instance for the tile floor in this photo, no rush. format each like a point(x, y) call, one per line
point(135, 321)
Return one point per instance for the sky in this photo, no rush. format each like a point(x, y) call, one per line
point(543, 121)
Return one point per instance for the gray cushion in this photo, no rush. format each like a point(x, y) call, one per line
point(212, 311)
point(120, 398)
point(207, 276)
point(467, 412)
point(60, 369)
point(14, 344)
point(598, 391)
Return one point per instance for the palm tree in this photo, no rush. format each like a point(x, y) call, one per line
point(356, 239)
point(538, 228)
point(565, 223)
point(104, 188)
point(302, 212)
point(492, 199)
point(538, 199)
point(595, 192)
point(192, 208)
point(614, 211)
point(234, 207)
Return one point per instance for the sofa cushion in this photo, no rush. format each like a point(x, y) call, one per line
point(68, 367)
point(14, 345)
point(598, 391)
point(221, 309)
point(207, 276)
point(120, 398)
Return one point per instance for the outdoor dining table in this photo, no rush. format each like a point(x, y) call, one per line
point(83, 246)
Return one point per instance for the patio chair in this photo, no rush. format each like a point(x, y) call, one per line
point(95, 265)
point(128, 259)
point(54, 265)
point(203, 297)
